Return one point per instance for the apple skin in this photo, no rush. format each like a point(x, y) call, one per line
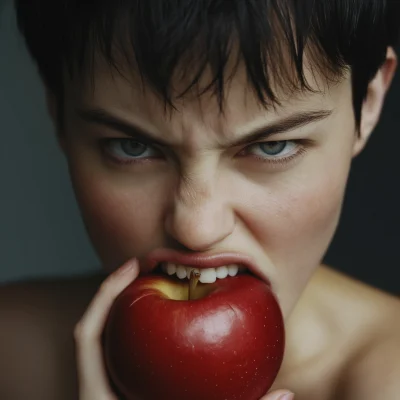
point(226, 345)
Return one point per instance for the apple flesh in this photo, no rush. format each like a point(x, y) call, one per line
point(227, 343)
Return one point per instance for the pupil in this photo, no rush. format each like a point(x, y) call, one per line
point(134, 148)
point(273, 148)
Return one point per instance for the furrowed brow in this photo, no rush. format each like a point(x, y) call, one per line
point(285, 125)
point(296, 121)
point(102, 117)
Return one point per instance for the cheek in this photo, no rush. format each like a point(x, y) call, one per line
point(121, 218)
point(296, 220)
point(311, 213)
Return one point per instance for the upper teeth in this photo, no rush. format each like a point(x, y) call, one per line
point(207, 275)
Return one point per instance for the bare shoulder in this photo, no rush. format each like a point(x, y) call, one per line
point(370, 322)
point(36, 341)
point(356, 303)
point(375, 373)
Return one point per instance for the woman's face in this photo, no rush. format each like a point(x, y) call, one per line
point(202, 181)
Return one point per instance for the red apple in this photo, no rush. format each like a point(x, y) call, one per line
point(227, 343)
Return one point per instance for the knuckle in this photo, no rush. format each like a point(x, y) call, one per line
point(107, 287)
point(82, 332)
point(78, 330)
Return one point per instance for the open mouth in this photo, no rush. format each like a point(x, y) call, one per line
point(208, 268)
point(194, 282)
point(206, 275)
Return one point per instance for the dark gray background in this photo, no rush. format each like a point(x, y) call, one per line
point(41, 233)
point(40, 228)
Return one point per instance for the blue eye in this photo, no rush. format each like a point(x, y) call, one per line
point(129, 150)
point(273, 149)
point(133, 148)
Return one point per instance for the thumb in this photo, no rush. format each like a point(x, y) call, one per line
point(279, 395)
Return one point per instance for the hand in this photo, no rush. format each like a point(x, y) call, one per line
point(279, 395)
point(92, 376)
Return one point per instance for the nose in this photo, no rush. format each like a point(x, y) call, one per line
point(200, 217)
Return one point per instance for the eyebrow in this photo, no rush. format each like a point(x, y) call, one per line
point(102, 117)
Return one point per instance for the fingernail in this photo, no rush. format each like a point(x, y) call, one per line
point(127, 267)
point(287, 396)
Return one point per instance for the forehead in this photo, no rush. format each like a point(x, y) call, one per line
point(124, 95)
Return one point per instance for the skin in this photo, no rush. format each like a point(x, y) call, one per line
point(198, 193)
point(202, 195)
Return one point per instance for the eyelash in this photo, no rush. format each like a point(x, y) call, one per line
point(300, 146)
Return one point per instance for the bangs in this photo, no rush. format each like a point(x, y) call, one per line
point(200, 44)
point(165, 42)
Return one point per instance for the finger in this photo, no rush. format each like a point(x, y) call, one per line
point(279, 395)
point(90, 363)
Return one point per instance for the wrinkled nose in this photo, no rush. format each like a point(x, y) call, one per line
point(200, 216)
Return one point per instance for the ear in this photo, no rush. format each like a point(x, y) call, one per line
point(373, 104)
point(53, 109)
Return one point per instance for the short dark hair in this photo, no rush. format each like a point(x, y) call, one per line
point(187, 36)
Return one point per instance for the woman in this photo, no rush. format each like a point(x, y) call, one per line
point(206, 127)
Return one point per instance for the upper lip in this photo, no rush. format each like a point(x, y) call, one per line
point(200, 260)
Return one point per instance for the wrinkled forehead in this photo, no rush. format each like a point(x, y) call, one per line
point(123, 93)
point(230, 62)
point(205, 55)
